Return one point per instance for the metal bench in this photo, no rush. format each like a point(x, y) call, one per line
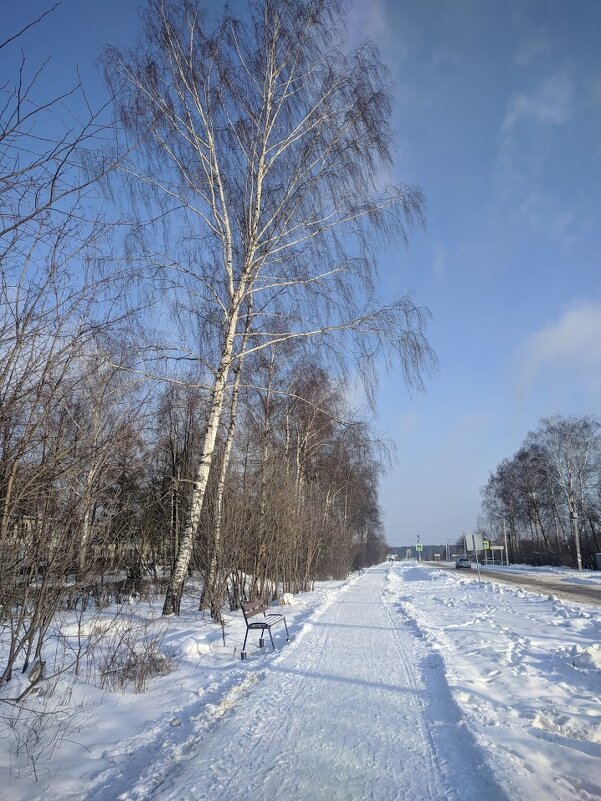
point(251, 609)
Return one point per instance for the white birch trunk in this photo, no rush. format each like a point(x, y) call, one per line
point(186, 544)
point(215, 582)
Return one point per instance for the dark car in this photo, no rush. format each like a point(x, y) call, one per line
point(463, 561)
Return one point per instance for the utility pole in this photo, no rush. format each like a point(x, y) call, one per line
point(574, 516)
point(505, 538)
point(476, 553)
point(447, 550)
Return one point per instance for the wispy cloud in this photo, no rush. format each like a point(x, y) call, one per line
point(556, 218)
point(573, 342)
point(395, 32)
point(550, 103)
point(369, 21)
point(533, 49)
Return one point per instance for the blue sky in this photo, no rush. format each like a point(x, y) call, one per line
point(498, 114)
point(498, 119)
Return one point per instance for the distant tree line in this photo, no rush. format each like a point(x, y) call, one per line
point(548, 494)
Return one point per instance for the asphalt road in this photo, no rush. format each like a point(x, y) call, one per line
point(564, 587)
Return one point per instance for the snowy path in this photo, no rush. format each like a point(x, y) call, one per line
point(409, 682)
point(358, 709)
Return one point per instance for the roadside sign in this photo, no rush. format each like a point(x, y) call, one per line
point(419, 547)
point(486, 545)
point(473, 542)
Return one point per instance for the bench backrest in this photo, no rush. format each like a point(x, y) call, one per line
point(251, 608)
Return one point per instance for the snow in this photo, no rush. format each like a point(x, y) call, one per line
point(588, 658)
point(523, 671)
point(567, 574)
point(405, 682)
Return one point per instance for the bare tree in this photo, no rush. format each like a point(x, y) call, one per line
point(310, 477)
point(41, 160)
point(53, 308)
point(272, 141)
point(552, 481)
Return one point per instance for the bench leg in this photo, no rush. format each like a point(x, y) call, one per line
point(245, 638)
point(261, 642)
point(243, 656)
point(287, 633)
point(271, 638)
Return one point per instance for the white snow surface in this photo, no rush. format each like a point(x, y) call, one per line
point(407, 682)
point(563, 574)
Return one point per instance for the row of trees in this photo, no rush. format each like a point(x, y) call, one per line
point(173, 398)
point(548, 495)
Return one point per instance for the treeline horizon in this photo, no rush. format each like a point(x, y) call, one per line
point(547, 496)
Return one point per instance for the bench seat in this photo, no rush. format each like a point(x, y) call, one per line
point(252, 609)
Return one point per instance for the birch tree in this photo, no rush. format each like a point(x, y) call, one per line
point(266, 144)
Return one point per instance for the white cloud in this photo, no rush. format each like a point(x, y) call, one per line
point(573, 342)
point(381, 21)
point(553, 218)
point(368, 23)
point(533, 49)
point(549, 104)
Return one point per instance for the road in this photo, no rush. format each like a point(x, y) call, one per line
point(565, 587)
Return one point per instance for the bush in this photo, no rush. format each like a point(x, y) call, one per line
point(126, 667)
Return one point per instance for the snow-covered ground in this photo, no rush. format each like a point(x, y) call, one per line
point(566, 574)
point(524, 671)
point(406, 682)
point(85, 737)
point(563, 574)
